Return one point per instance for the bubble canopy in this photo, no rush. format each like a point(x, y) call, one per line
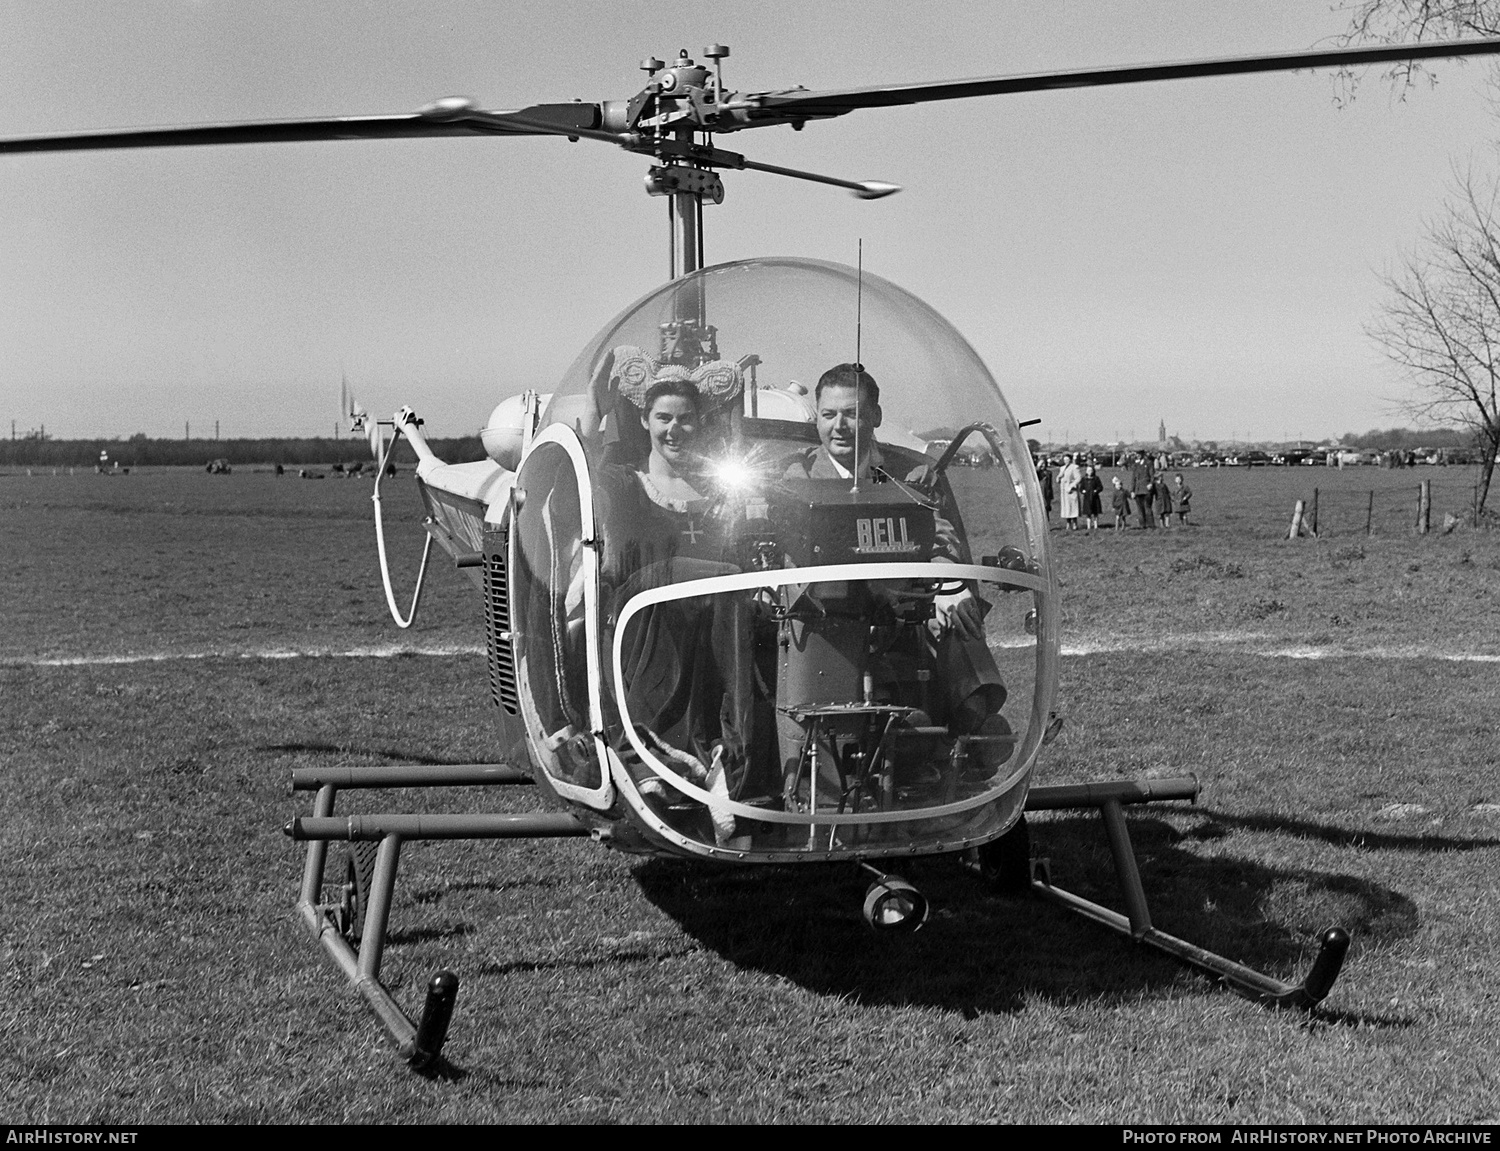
point(799, 318)
point(782, 655)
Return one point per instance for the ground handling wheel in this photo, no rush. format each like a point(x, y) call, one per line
point(354, 895)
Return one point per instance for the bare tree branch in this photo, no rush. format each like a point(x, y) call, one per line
point(1403, 21)
point(1441, 321)
point(1390, 21)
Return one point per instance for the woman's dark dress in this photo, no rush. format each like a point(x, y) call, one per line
point(686, 662)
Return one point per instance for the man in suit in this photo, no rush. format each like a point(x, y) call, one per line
point(847, 413)
point(1143, 488)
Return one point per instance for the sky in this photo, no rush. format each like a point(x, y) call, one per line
point(1206, 253)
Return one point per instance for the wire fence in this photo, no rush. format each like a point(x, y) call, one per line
point(1433, 505)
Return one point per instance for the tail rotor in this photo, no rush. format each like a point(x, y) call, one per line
point(359, 420)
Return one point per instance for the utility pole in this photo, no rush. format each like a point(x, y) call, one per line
point(216, 429)
point(187, 430)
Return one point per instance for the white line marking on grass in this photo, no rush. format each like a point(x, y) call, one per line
point(1383, 653)
point(1243, 643)
point(1259, 644)
point(379, 651)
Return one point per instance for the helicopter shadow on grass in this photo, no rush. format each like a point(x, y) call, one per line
point(983, 953)
point(1216, 824)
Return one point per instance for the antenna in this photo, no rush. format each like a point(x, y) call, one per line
point(859, 306)
point(859, 317)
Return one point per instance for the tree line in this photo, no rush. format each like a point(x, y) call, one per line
point(143, 451)
point(1407, 439)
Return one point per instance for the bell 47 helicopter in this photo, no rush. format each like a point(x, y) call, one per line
point(735, 608)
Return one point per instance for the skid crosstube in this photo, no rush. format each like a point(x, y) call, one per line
point(1110, 799)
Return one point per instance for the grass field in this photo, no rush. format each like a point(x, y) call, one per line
point(175, 643)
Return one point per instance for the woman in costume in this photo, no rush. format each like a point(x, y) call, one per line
point(687, 663)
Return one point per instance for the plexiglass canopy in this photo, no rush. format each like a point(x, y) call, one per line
point(799, 317)
point(794, 657)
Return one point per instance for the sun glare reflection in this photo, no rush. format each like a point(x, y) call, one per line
point(735, 474)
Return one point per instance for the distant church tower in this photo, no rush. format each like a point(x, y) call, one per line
point(1161, 434)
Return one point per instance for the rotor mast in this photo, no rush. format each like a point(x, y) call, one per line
point(685, 186)
point(685, 236)
point(684, 179)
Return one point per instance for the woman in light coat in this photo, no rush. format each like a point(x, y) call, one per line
point(1068, 482)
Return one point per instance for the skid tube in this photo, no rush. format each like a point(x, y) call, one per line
point(1110, 799)
point(421, 1043)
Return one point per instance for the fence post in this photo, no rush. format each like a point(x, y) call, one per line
point(1296, 521)
point(1370, 514)
point(1315, 512)
point(1424, 507)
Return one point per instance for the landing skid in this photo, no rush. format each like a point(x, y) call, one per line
point(1110, 799)
point(352, 927)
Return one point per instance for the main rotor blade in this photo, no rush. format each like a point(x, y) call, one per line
point(456, 117)
point(795, 105)
point(451, 117)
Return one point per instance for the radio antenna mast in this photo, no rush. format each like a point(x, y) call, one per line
point(859, 304)
point(859, 367)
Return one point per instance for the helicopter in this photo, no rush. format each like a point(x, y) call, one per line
point(738, 608)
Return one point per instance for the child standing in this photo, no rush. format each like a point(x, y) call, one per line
point(1120, 501)
point(1089, 489)
point(1162, 497)
point(1183, 497)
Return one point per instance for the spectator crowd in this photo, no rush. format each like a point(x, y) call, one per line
point(1144, 490)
